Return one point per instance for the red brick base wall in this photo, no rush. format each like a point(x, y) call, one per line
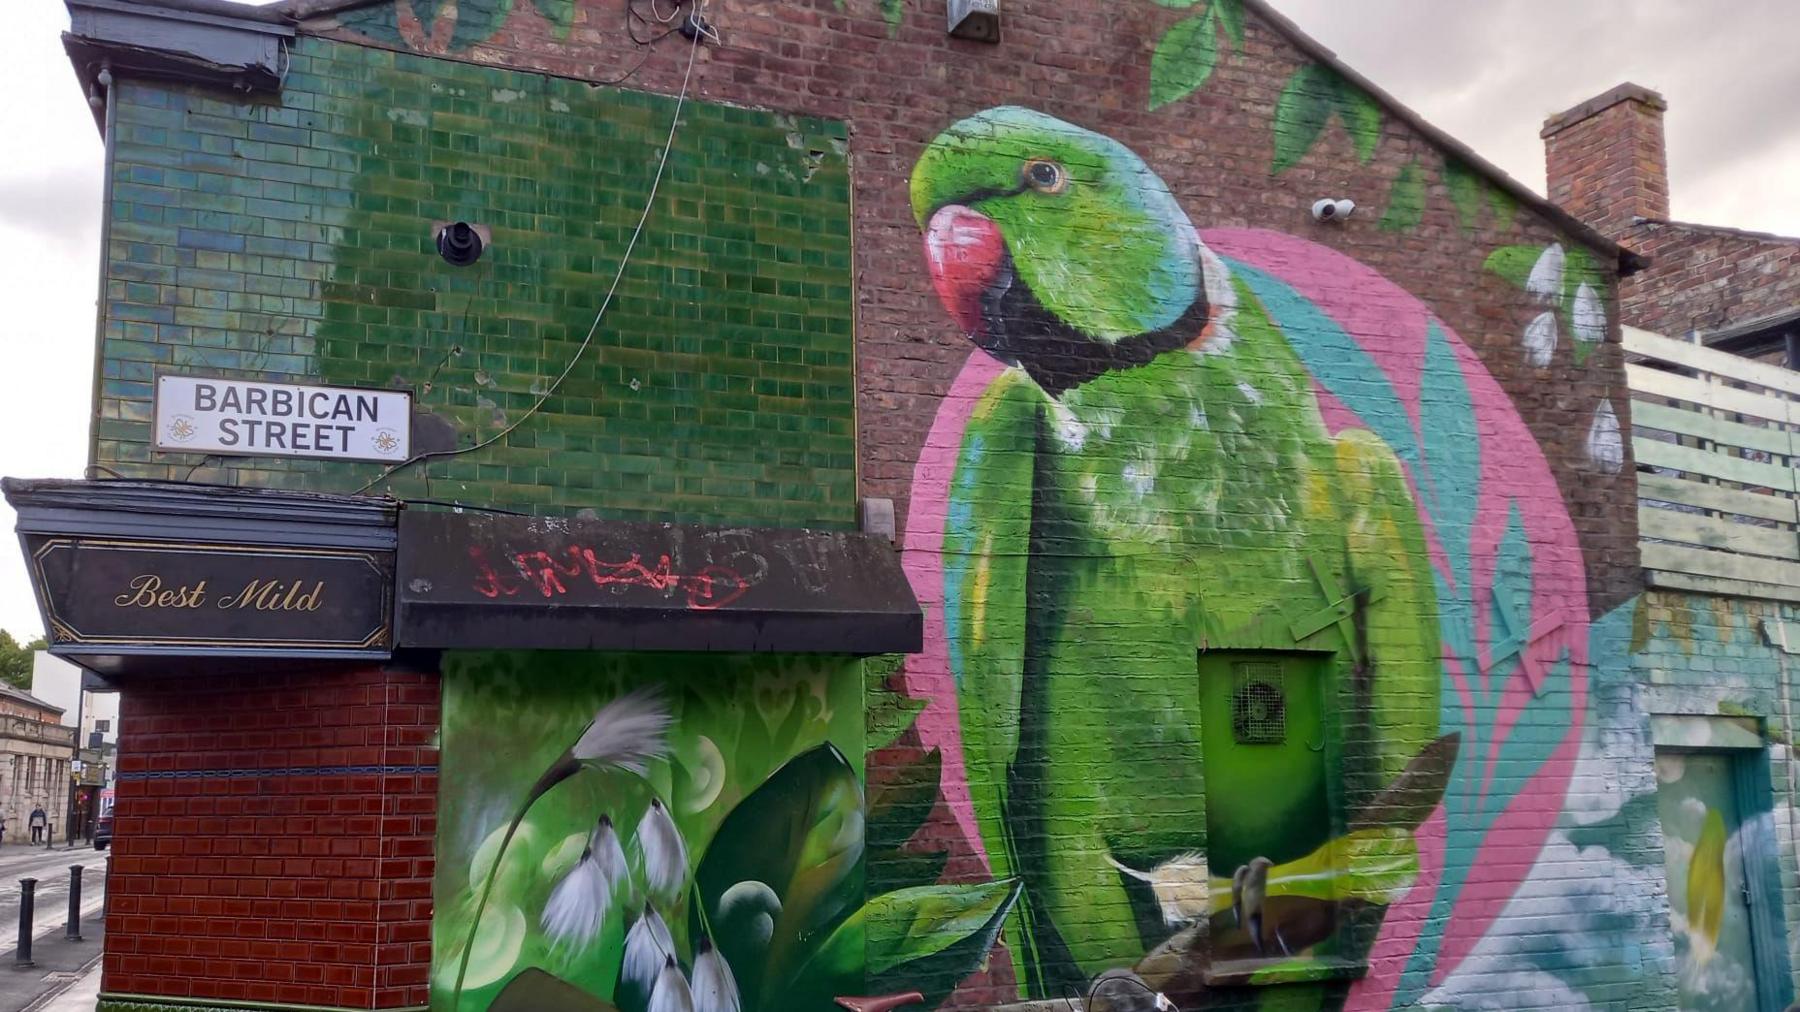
point(273, 839)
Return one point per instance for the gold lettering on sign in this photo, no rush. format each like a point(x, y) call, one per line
point(146, 591)
point(275, 595)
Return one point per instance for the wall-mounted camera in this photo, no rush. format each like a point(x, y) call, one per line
point(459, 242)
point(1331, 209)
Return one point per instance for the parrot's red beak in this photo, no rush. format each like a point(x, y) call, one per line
point(966, 253)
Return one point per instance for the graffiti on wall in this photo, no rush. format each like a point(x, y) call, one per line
point(1174, 443)
point(675, 833)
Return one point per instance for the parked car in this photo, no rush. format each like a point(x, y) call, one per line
point(103, 824)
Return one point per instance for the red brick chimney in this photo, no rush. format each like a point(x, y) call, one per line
point(1605, 159)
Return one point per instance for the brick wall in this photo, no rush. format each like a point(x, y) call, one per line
point(273, 839)
point(1606, 159)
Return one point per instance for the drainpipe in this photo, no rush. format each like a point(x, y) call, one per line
point(108, 130)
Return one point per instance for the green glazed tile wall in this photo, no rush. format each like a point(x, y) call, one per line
point(290, 239)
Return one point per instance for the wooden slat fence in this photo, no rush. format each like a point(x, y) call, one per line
point(1717, 441)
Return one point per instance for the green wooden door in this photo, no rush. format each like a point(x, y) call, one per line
point(1697, 799)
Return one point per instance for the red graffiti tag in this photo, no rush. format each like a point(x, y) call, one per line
point(712, 587)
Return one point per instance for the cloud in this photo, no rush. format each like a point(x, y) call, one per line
point(60, 210)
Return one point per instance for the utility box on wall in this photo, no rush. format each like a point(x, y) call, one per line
point(975, 19)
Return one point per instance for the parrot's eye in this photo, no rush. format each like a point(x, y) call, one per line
point(1046, 176)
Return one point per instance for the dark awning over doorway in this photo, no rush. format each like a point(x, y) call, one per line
point(496, 581)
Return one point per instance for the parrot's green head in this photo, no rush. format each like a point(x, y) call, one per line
point(1057, 247)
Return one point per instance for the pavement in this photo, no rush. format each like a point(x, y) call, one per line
point(65, 975)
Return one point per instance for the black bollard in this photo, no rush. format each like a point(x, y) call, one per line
point(73, 931)
point(27, 889)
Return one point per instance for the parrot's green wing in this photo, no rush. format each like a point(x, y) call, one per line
point(987, 532)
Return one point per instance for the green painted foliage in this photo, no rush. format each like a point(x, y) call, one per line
point(1312, 97)
point(1187, 53)
point(1466, 190)
point(560, 13)
point(1406, 200)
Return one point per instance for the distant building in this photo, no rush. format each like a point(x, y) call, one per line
point(59, 682)
point(35, 755)
point(1727, 288)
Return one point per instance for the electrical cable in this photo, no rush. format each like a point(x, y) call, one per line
point(593, 328)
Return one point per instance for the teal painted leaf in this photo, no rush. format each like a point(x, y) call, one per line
point(1301, 113)
point(560, 14)
point(784, 867)
point(1231, 18)
point(1184, 59)
point(1465, 188)
point(1406, 200)
point(892, 11)
point(1361, 116)
point(898, 808)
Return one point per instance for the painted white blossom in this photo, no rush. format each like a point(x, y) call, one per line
point(626, 733)
point(1179, 884)
point(578, 902)
point(1540, 339)
point(1546, 278)
point(663, 854)
point(715, 989)
point(647, 946)
point(1588, 318)
point(1605, 445)
point(672, 993)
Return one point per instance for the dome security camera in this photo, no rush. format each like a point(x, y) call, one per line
point(1329, 209)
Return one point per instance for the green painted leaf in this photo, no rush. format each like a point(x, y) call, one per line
point(1465, 188)
point(1301, 112)
point(932, 937)
point(1361, 116)
point(1406, 200)
point(1184, 59)
point(799, 836)
point(892, 11)
point(1231, 17)
point(560, 14)
point(1502, 205)
point(887, 714)
point(1706, 880)
point(898, 808)
point(1513, 263)
point(904, 869)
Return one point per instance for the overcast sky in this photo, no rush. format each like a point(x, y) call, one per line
point(1487, 72)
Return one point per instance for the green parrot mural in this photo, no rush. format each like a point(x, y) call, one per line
point(1187, 489)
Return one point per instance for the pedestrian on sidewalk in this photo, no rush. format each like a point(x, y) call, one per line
point(38, 820)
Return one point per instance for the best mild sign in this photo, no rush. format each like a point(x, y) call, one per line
point(201, 415)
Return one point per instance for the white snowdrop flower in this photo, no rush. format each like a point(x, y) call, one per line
point(1588, 318)
point(1540, 339)
point(1250, 393)
point(671, 994)
point(1605, 446)
point(578, 902)
point(663, 853)
point(647, 946)
point(715, 989)
point(1546, 278)
point(627, 733)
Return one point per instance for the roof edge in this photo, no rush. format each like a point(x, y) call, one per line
point(1629, 261)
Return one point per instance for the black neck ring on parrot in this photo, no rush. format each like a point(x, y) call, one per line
point(1017, 328)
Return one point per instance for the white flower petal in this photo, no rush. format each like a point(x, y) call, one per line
point(671, 994)
point(609, 855)
point(1540, 339)
point(715, 989)
point(1588, 319)
point(663, 853)
point(577, 904)
point(627, 733)
point(1605, 446)
point(1546, 278)
point(647, 947)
